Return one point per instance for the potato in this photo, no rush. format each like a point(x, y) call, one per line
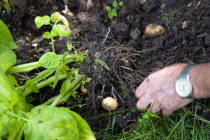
point(109, 103)
point(83, 89)
point(154, 30)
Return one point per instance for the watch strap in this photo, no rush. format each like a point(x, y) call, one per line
point(185, 71)
point(185, 75)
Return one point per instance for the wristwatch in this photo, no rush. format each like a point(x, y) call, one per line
point(183, 83)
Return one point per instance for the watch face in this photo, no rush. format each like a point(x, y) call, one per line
point(183, 87)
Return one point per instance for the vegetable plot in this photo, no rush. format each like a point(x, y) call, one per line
point(19, 119)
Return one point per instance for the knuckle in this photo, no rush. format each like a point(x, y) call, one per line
point(148, 79)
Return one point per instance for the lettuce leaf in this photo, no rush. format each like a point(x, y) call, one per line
point(8, 97)
point(6, 39)
point(85, 132)
point(50, 123)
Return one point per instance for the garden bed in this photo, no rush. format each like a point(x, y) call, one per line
point(120, 43)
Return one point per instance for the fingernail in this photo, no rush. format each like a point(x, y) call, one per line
point(154, 111)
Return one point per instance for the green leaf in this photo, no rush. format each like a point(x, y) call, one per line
point(47, 35)
point(108, 9)
point(14, 128)
point(110, 16)
point(7, 59)
point(102, 63)
point(29, 99)
point(12, 80)
point(31, 85)
point(6, 39)
point(189, 5)
point(140, 120)
point(21, 105)
point(4, 120)
point(57, 73)
point(114, 13)
point(61, 30)
point(85, 132)
point(69, 46)
point(50, 123)
point(55, 16)
point(189, 61)
point(49, 60)
point(115, 4)
point(8, 96)
point(146, 116)
point(10, 100)
point(121, 3)
point(40, 21)
point(65, 86)
point(79, 57)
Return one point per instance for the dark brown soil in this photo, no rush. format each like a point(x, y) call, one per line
point(120, 42)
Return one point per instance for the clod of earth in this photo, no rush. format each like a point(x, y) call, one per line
point(154, 30)
point(109, 103)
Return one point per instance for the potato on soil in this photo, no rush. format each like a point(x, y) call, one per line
point(109, 103)
point(154, 30)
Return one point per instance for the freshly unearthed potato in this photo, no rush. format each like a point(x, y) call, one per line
point(83, 89)
point(109, 103)
point(154, 30)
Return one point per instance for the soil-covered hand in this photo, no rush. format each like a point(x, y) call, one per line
point(157, 92)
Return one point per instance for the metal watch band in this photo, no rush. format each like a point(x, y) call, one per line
point(185, 71)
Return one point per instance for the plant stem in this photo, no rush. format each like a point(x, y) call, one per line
point(52, 40)
point(43, 75)
point(50, 101)
point(17, 116)
point(45, 83)
point(63, 97)
point(33, 65)
point(23, 68)
point(53, 46)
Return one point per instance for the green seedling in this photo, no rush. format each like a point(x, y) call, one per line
point(112, 12)
point(58, 29)
point(147, 116)
point(19, 118)
point(168, 18)
point(101, 62)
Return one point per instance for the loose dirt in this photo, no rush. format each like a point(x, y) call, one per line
point(120, 42)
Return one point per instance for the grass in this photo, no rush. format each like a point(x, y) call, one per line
point(186, 125)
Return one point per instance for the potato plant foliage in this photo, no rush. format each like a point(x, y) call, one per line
point(20, 119)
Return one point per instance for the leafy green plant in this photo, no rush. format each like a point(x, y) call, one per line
point(112, 12)
point(147, 116)
point(45, 121)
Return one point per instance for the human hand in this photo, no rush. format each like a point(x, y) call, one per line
point(157, 92)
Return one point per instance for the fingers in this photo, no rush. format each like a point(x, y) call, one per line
point(167, 112)
point(155, 107)
point(140, 91)
point(143, 103)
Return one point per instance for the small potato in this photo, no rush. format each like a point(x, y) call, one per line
point(154, 30)
point(109, 103)
point(83, 89)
